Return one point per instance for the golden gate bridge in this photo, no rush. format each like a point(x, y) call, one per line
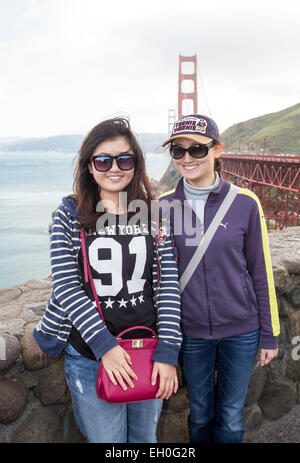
point(273, 177)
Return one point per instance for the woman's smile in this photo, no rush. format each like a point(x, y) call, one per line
point(190, 166)
point(114, 178)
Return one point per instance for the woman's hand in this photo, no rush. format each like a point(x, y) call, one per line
point(116, 363)
point(168, 381)
point(266, 355)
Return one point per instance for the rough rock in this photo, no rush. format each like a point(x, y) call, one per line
point(172, 427)
point(33, 357)
point(3, 327)
point(10, 349)
point(253, 418)
point(14, 327)
point(8, 294)
point(278, 397)
point(29, 316)
point(277, 366)
point(177, 402)
point(42, 426)
point(293, 324)
point(283, 308)
point(13, 398)
point(9, 312)
point(292, 264)
point(293, 363)
point(52, 387)
point(39, 284)
point(16, 370)
point(280, 276)
point(256, 385)
point(282, 337)
point(37, 308)
point(294, 295)
point(285, 430)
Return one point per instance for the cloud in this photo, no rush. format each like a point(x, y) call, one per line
point(66, 64)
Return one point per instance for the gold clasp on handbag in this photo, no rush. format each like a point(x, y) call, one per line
point(137, 343)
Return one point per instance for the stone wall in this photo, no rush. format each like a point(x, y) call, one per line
point(35, 403)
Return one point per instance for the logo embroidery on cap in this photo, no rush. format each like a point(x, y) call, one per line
point(202, 125)
point(190, 124)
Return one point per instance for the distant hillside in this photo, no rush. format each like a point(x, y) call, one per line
point(282, 129)
point(66, 143)
point(150, 143)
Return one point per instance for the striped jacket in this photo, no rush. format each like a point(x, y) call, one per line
point(70, 305)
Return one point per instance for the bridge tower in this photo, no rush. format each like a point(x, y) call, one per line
point(172, 120)
point(187, 78)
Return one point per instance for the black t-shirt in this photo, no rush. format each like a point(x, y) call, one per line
point(121, 259)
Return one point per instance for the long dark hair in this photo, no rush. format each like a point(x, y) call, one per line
point(218, 165)
point(87, 191)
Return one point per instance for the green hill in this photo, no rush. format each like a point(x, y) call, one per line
point(282, 129)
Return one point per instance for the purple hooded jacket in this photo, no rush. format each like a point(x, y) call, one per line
point(232, 290)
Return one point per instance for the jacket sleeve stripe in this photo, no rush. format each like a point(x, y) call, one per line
point(268, 264)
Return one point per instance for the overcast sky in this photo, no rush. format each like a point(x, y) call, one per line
point(65, 65)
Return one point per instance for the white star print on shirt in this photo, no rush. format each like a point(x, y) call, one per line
point(122, 303)
point(109, 303)
point(141, 298)
point(133, 301)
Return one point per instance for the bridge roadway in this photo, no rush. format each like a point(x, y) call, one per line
point(275, 178)
point(278, 170)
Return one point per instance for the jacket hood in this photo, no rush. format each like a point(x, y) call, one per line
point(70, 205)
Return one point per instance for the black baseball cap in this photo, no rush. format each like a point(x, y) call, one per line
point(199, 128)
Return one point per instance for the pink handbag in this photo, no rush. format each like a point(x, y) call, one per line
point(140, 350)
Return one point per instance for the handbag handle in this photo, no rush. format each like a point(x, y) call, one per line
point(156, 247)
point(135, 328)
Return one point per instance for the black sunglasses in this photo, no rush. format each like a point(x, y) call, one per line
point(103, 162)
point(196, 151)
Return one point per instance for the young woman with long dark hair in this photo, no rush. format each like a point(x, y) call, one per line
point(123, 260)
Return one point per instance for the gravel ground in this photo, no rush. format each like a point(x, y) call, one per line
point(285, 430)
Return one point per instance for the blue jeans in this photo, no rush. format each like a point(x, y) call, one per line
point(217, 401)
point(100, 421)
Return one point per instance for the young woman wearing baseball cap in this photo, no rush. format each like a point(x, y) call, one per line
point(229, 306)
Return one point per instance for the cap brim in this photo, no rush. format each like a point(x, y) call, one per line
point(190, 136)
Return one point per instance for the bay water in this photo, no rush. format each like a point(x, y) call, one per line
point(31, 188)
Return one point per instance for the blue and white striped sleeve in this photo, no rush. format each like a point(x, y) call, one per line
point(67, 288)
point(168, 304)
